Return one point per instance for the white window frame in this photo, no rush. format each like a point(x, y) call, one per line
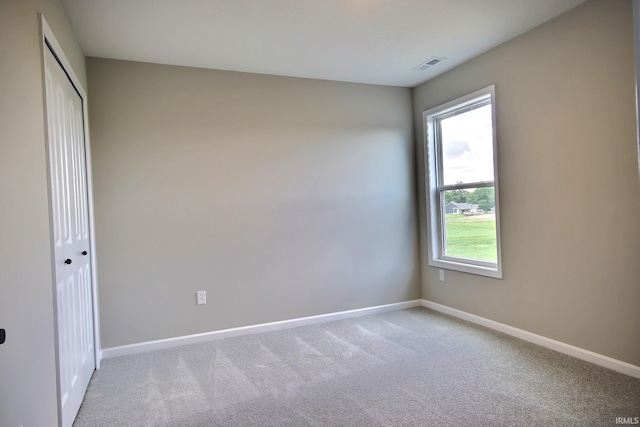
point(434, 188)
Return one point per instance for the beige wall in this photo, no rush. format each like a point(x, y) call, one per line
point(27, 359)
point(280, 197)
point(570, 196)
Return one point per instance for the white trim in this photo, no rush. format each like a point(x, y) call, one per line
point(577, 352)
point(48, 35)
point(636, 31)
point(434, 207)
point(142, 347)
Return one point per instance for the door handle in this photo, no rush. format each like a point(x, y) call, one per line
point(84, 253)
point(3, 336)
point(68, 261)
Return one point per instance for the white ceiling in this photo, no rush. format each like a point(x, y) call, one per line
point(366, 41)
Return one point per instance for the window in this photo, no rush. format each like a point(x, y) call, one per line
point(462, 185)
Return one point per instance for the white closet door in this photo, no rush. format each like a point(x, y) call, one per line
point(71, 237)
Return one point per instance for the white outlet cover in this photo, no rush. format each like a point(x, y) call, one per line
point(201, 297)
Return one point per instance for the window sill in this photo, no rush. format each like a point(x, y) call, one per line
point(480, 270)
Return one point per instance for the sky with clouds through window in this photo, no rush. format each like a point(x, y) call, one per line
point(467, 146)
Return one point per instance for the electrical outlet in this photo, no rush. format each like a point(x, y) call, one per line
point(442, 275)
point(201, 297)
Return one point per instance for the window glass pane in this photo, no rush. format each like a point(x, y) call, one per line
point(470, 224)
point(467, 147)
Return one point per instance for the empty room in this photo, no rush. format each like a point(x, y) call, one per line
point(319, 213)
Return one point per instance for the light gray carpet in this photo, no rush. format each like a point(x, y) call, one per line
point(405, 368)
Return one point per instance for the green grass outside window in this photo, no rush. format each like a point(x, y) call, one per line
point(471, 237)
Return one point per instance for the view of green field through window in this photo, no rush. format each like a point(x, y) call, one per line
point(468, 201)
point(470, 224)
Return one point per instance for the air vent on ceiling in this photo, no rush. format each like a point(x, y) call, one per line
point(428, 63)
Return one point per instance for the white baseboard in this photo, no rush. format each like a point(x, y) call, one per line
point(577, 352)
point(142, 347)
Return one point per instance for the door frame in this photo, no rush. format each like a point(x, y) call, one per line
point(48, 38)
point(636, 39)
